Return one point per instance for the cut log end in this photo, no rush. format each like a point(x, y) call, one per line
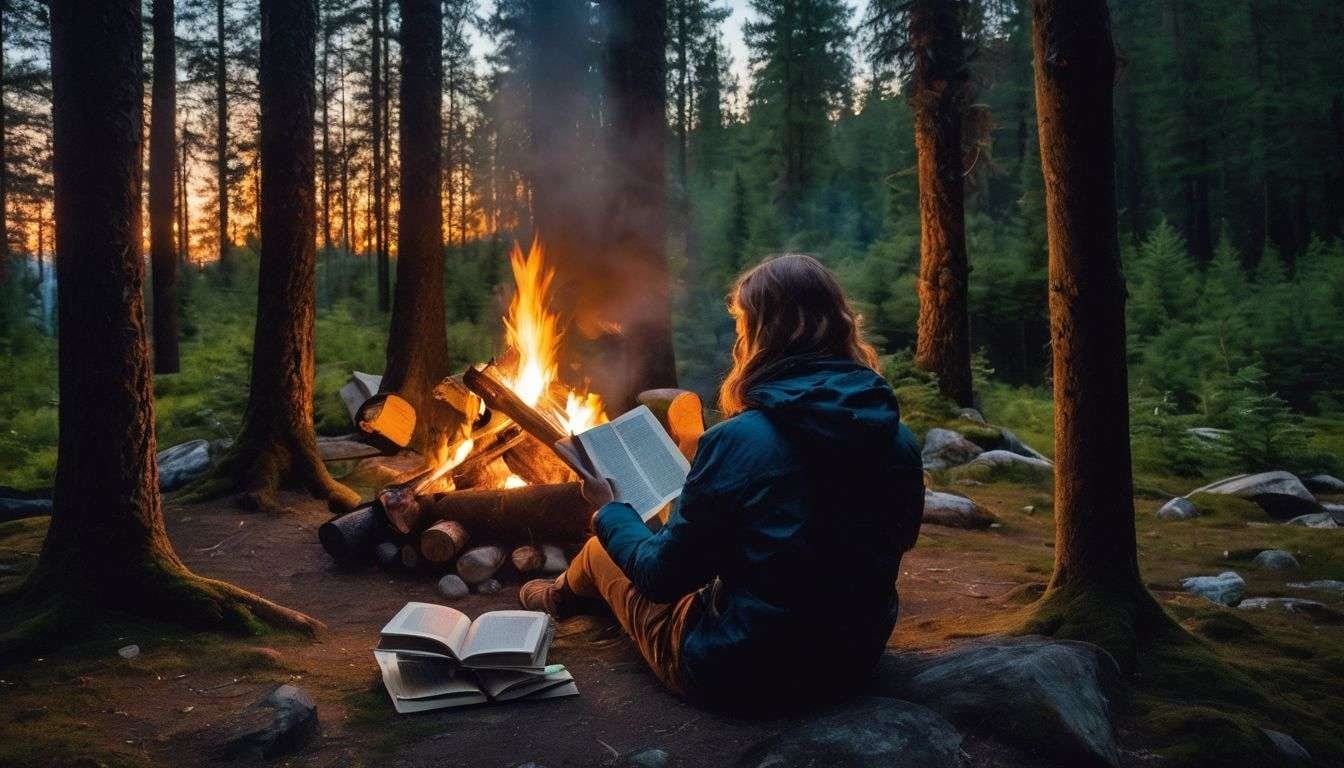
point(441, 542)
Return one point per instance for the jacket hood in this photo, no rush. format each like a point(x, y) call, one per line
point(835, 401)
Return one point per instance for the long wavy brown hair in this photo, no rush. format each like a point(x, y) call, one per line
point(787, 308)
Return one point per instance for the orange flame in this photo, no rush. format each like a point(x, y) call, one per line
point(532, 330)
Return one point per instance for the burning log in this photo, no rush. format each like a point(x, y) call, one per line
point(498, 397)
point(537, 464)
point(476, 467)
point(352, 536)
point(681, 413)
point(400, 504)
point(530, 513)
point(441, 542)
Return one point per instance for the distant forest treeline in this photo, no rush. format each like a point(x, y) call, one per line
point(1229, 132)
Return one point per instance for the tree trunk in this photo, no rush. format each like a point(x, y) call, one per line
point(106, 547)
point(222, 144)
point(417, 345)
point(326, 132)
point(277, 445)
point(1095, 593)
point(162, 158)
point(376, 118)
point(640, 305)
point(4, 155)
point(937, 92)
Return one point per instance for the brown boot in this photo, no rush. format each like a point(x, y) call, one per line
point(554, 596)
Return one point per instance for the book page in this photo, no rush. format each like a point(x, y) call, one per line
point(505, 632)
point(646, 468)
point(440, 623)
point(416, 686)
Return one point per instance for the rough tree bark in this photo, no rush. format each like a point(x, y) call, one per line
point(106, 548)
point(417, 344)
point(4, 157)
point(276, 445)
point(1095, 592)
point(937, 93)
point(222, 143)
point(641, 302)
point(162, 177)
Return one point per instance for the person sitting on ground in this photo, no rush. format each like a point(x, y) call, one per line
point(773, 581)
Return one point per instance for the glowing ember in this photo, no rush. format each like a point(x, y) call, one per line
point(514, 481)
point(533, 332)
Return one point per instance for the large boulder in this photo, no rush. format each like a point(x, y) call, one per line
point(1004, 464)
point(870, 732)
point(953, 511)
point(1225, 589)
point(1279, 493)
point(1013, 443)
point(183, 463)
point(944, 448)
point(1033, 692)
point(1324, 484)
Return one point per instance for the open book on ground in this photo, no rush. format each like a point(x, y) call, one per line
point(646, 468)
point(420, 684)
point(509, 640)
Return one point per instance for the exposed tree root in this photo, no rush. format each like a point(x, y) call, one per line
point(1118, 619)
point(50, 611)
point(255, 472)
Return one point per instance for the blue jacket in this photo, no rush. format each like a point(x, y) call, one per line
point(792, 525)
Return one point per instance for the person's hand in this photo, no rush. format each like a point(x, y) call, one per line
point(597, 490)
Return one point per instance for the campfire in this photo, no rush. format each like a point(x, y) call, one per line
point(492, 484)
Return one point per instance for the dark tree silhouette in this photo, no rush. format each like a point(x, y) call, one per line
point(222, 141)
point(640, 302)
point(378, 124)
point(1095, 592)
point(106, 548)
point(417, 345)
point(937, 91)
point(162, 178)
point(276, 445)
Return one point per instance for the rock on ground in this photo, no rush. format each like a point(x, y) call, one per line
point(871, 732)
point(1323, 585)
point(16, 504)
point(1225, 589)
point(1033, 692)
point(1311, 608)
point(953, 511)
point(554, 560)
point(971, 414)
point(453, 587)
point(479, 563)
point(1279, 493)
point(1323, 484)
point(1287, 746)
point(182, 463)
point(1276, 560)
point(1013, 443)
point(944, 448)
point(280, 723)
point(1315, 520)
point(1179, 508)
point(1001, 462)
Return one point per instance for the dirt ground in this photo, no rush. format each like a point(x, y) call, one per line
point(170, 704)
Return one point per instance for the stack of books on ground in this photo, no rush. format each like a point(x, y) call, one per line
point(433, 657)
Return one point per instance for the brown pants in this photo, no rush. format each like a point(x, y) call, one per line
point(656, 628)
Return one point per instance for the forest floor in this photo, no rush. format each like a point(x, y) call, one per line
point(173, 703)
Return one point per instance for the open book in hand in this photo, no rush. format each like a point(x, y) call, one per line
point(418, 684)
point(509, 640)
point(645, 467)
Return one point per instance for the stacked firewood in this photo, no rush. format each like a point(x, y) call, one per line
point(469, 522)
